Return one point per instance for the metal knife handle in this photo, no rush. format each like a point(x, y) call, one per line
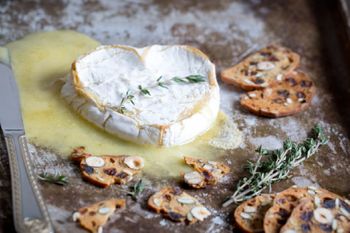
point(29, 211)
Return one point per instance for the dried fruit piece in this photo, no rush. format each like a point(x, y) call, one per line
point(93, 217)
point(106, 170)
point(206, 172)
point(178, 206)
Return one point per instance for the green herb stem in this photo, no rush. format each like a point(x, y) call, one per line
point(135, 190)
point(275, 165)
point(53, 178)
point(129, 96)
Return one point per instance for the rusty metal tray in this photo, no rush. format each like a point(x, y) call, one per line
point(225, 30)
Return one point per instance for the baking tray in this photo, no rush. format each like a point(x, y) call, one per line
point(225, 30)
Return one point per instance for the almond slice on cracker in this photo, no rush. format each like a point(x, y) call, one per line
point(178, 206)
point(291, 95)
point(206, 172)
point(262, 68)
point(106, 170)
point(93, 217)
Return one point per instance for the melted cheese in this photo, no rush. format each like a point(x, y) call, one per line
point(39, 61)
point(4, 56)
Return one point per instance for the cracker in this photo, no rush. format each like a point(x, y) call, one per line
point(178, 206)
point(106, 170)
point(93, 217)
point(206, 172)
point(250, 214)
point(261, 69)
point(291, 95)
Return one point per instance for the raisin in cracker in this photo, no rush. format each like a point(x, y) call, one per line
point(250, 214)
point(93, 217)
point(261, 69)
point(206, 172)
point(291, 95)
point(106, 170)
point(178, 206)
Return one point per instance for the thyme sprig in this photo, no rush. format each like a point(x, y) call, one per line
point(53, 178)
point(135, 191)
point(127, 98)
point(275, 165)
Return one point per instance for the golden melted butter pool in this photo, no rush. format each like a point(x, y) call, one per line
point(40, 61)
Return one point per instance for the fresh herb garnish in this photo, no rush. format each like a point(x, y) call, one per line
point(53, 178)
point(275, 165)
point(160, 83)
point(190, 79)
point(128, 97)
point(136, 190)
point(179, 80)
point(144, 91)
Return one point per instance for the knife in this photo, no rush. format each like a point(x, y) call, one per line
point(29, 211)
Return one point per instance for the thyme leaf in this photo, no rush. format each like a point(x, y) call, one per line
point(127, 98)
point(190, 79)
point(53, 178)
point(179, 80)
point(275, 165)
point(195, 78)
point(144, 91)
point(160, 83)
point(137, 189)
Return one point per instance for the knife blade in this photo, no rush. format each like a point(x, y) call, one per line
point(29, 211)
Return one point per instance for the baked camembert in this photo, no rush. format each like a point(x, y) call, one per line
point(162, 95)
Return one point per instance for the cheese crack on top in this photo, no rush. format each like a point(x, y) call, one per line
point(105, 86)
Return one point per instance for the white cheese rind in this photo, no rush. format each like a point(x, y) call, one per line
point(168, 117)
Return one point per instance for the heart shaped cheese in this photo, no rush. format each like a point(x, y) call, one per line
point(160, 109)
